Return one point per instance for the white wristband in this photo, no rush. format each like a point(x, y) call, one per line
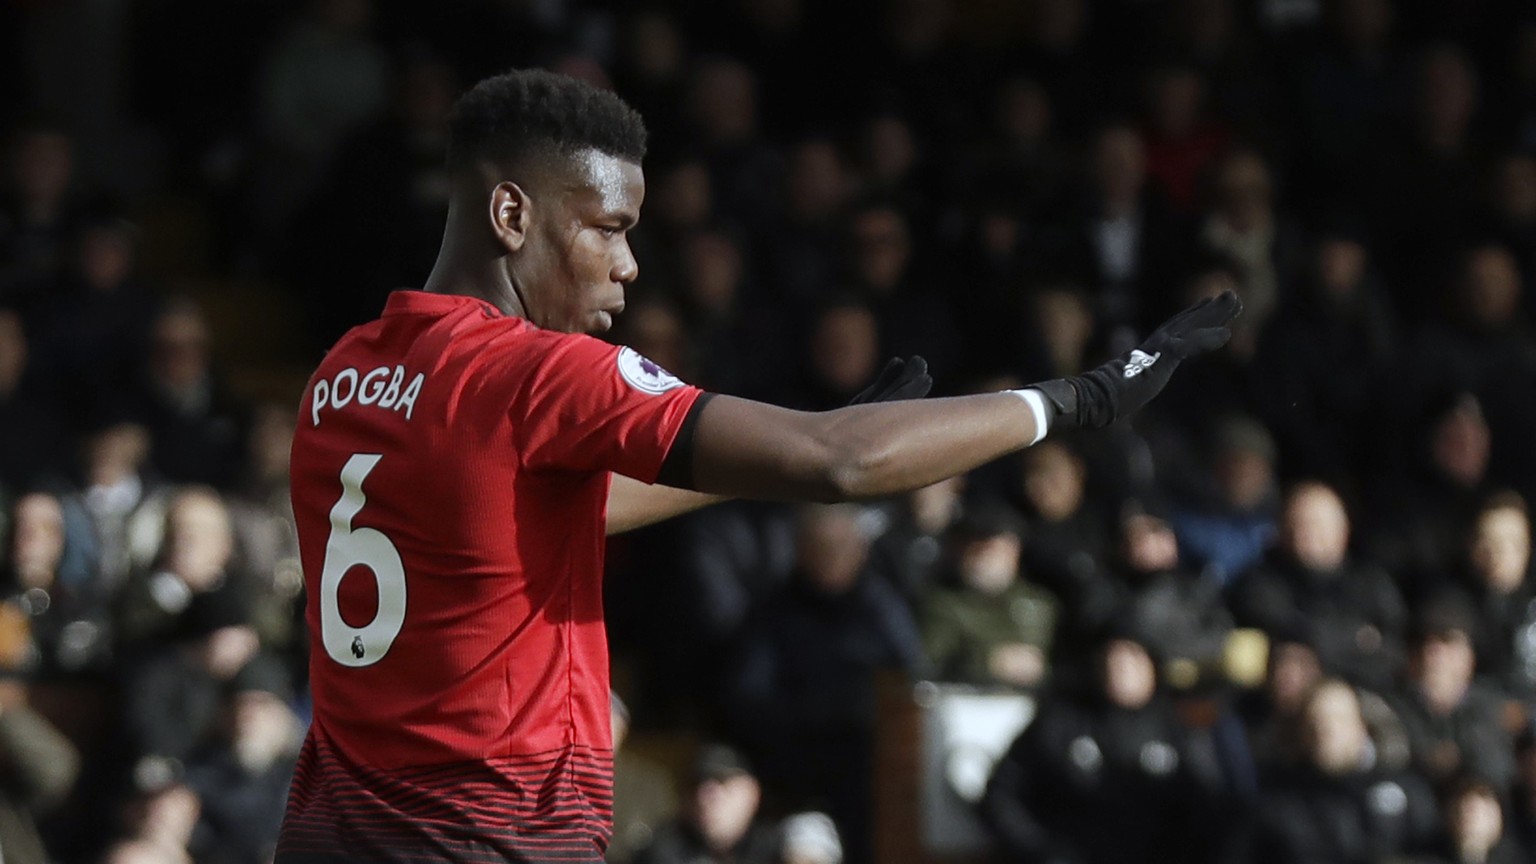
point(1038, 407)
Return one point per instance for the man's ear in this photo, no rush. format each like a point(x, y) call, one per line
point(510, 215)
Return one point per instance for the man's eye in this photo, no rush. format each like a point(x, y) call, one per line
point(609, 231)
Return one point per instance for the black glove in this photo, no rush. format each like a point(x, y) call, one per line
point(1098, 398)
point(900, 379)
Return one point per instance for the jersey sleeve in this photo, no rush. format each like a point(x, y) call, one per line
point(592, 406)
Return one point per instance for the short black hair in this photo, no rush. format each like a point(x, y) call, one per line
point(510, 117)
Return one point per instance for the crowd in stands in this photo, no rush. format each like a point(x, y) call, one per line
point(1013, 191)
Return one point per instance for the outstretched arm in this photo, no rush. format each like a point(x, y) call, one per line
point(752, 450)
point(633, 504)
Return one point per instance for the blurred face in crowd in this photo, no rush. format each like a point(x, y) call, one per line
point(684, 197)
point(714, 270)
point(890, 150)
point(42, 165)
point(1514, 189)
point(818, 184)
point(146, 852)
point(1120, 167)
point(1442, 665)
point(1333, 732)
point(935, 506)
point(1130, 677)
point(654, 47)
point(882, 248)
point(106, 257)
point(271, 442)
point(989, 565)
point(116, 453)
point(226, 650)
point(1244, 191)
point(1245, 477)
point(1315, 528)
point(263, 729)
point(1293, 671)
point(1475, 819)
point(13, 352)
point(1053, 480)
point(723, 102)
point(1447, 97)
point(198, 539)
point(1340, 268)
point(1023, 113)
point(1066, 324)
point(1150, 545)
point(167, 817)
point(180, 356)
point(831, 548)
point(1490, 287)
point(1501, 548)
point(1362, 24)
point(655, 330)
point(845, 348)
point(1177, 96)
point(37, 541)
point(1460, 443)
point(723, 809)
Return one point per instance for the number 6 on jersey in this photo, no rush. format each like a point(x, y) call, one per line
point(361, 547)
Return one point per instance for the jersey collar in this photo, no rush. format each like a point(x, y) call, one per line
point(409, 302)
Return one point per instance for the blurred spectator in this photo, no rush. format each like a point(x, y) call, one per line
point(804, 686)
point(989, 626)
point(1244, 227)
point(1024, 162)
point(195, 425)
point(164, 815)
point(243, 777)
point(392, 169)
point(40, 769)
point(66, 614)
point(644, 795)
point(1495, 580)
point(1473, 812)
point(1181, 138)
point(1422, 510)
point(266, 542)
point(1068, 539)
point(1270, 717)
point(1181, 614)
point(908, 553)
point(39, 205)
point(914, 316)
point(738, 337)
point(1520, 817)
point(93, 328)
point(1337, 805)
point(810, 838)
point(33, 434)
point(719, 822)
point(1229, 534)
point(172, 701)
point(144, 852)
point(842, 356)
point(1322, 361)
point(1108, 776)
point(317, 83)
point(193, 564)
point(1309, 583)
point(1511, 212)
point(125, 501)
point(804, 255)
point(1121, 237)
point(721, 106)
point(1454, 724)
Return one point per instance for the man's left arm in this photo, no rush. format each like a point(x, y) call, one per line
point(635, 504)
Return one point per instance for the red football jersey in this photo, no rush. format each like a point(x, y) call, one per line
point(450, 473)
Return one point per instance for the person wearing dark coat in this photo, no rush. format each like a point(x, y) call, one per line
point(1110, 776)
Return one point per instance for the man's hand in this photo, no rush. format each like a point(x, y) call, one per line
point(1123, 385)
point(900, 379)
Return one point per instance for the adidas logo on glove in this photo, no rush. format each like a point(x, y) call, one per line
point(1140, 361)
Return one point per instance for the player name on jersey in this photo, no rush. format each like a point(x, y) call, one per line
point(379, 388)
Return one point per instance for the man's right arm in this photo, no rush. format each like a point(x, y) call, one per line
point(753, 450)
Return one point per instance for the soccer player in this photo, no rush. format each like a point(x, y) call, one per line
point(459, 460)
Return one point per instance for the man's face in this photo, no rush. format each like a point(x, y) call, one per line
point(577, 251)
